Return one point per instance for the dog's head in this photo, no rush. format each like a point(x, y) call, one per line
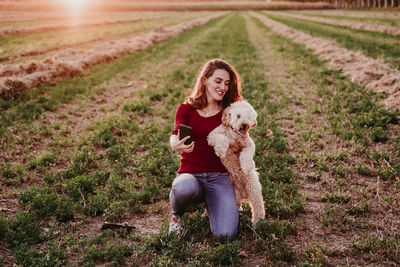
point(240, 116)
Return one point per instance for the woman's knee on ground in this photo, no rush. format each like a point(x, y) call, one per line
point(225, 234)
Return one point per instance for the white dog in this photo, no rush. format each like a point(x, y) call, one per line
point(237, 119)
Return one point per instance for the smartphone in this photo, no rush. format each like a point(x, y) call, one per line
point(184, 131)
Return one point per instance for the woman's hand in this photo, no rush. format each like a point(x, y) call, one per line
point(179, 145)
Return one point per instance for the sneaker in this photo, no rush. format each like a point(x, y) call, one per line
point(175, 225)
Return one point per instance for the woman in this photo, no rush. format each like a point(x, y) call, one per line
point(201, 175)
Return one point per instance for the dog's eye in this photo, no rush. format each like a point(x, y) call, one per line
point(238, 116)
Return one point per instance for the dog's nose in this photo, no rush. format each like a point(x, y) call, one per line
point(244, 125)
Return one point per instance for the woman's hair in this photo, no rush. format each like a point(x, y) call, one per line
point(198, 98)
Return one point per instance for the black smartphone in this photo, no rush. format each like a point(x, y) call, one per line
point(184, 131)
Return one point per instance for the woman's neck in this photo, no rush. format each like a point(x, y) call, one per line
point(213, 106)
point(211, 109)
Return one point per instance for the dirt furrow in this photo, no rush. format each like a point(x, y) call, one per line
point(78, 117)
point(7, 32)
point(362, 70)
point(346, 23)
point(296, 90)
point(298, 122)
point(17, 78)
point(23, 56)
point(115, 93)
point(38, 16)
point(358, 14)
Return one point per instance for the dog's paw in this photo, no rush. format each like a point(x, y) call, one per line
point(255, 220)
point(257, 216)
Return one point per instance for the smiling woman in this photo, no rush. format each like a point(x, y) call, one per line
point(201, 175)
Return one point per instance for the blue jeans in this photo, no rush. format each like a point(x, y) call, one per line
point(216, 190)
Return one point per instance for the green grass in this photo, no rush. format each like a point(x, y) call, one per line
point(181, 6)
point(123, 166)
point(372, 44)
point(34, 20)
point(353, 111)
point(356, 116)
point(15, 174)
point(379, 248)
point(33, 103)
point(15, 45)
point(136, 166)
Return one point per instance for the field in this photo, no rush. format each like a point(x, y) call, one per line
point(87, 107)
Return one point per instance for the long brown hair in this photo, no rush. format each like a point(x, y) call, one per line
point(197, 99)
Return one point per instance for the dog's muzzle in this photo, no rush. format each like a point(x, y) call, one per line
point(244, 128)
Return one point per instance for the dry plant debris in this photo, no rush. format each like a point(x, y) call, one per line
point(34, 16)
point(357, 14)
point(14, 79)
point(6, 32)
point(366, 71)
point(345, 23)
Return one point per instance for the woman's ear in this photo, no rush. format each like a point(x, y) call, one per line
point(226, 117)
point(204, 81)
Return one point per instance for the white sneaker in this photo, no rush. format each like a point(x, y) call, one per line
point(175, 225)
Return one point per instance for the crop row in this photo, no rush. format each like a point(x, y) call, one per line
point(376, 45)
point(358, 14)
point(18, 78)
point(393, 22)
point(122, 166)
point(126, 164)
point(117, 161)
point(362, 69)
point(6, 32)
point(170, 6)
point(23, 17)
point(19, 48)
point(345, 23)
point(334, 128)
point(26, 19)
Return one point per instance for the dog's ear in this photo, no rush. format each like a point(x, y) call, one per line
point(226, 117)
point(254, 125)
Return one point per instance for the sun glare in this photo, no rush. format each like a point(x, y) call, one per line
point(75, 3)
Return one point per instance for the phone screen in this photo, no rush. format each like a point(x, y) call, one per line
point(184, 131)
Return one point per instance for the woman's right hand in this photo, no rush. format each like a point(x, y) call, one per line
point(179, 145)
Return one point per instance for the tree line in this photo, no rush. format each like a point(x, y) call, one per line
point(365, 3)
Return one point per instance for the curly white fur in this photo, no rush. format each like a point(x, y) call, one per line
point(237, 119)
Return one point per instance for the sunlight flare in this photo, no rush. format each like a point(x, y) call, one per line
point(75, 3)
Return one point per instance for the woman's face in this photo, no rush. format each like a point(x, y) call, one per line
point(217, 85)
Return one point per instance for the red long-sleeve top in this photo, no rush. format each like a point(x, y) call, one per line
point(203, 157)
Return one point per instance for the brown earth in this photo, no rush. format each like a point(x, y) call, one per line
point(362, 70)
point(346, 23)
point(333, 245)
point(81, 114)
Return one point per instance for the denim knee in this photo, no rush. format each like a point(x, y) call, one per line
point(185, 190)
point(228, 229)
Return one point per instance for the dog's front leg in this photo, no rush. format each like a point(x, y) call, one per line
point(221, 147)
point(220, 142)
point(255, 197)
point(257, 207)
point(246, 157)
